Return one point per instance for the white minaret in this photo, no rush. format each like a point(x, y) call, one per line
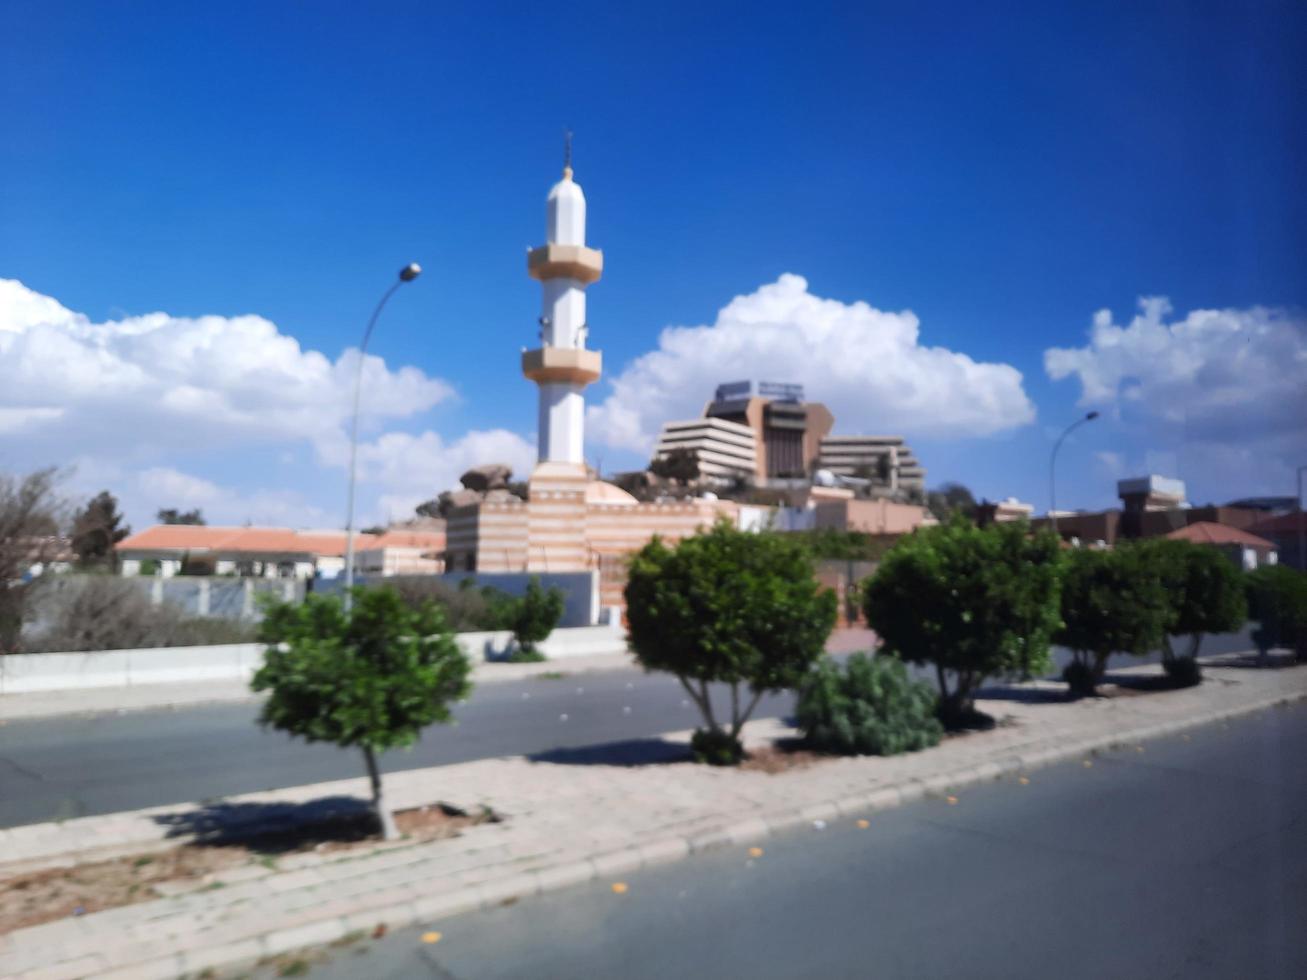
point(561, 366)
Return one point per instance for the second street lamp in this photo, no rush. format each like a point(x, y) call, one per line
point(406, 274)
point(1052, 464)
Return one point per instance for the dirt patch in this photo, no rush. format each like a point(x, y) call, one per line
point(783, 756)
point(55, 893)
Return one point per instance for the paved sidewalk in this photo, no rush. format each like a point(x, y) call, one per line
point(40, 704)
point(566, 821)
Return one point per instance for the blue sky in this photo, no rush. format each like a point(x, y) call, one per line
point(1003, 175)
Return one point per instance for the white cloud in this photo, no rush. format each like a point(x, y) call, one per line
point(174, 380)
point(867, 365)
point(1219, 396)
point(122, 403)
point(415, 468)
point(1218, 373)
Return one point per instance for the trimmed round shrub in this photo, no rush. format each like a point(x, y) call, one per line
point(715, 747)
point(1080, 679)
point(1277, 600)
point(871, 707)
point(1183, 671)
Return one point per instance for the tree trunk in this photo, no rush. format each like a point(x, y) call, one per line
point(384, 817)
point(1168, 653)
point(1194, 641)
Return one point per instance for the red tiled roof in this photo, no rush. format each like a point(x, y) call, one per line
point(242, 540)
point(1209, 532)
point(402, 538)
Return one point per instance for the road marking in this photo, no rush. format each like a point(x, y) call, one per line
point(431, 937)
point(864, 824)
point(619, 888)
point(755, 852)
point(951, 800)
point(1088, 763)
point(1023, 780)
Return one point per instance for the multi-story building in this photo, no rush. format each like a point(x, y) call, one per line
point(887, 461)
point(724, 450)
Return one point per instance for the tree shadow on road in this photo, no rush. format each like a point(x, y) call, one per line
point(632, 752)
point(273, 828)
point(1275, 660)
point(1024, 695)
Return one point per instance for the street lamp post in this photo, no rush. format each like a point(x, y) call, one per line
point(1052, 463)
point(406, 274)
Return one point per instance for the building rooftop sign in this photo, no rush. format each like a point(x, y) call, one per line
point(732, 390)
point(780, 391)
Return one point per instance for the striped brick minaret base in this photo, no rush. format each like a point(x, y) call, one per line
point(556, 519)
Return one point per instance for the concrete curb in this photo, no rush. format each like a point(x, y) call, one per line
point(412, 909)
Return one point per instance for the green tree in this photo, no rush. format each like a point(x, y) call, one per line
point(678, 465)
point(1205, 595)
point(949, 500)
point(871, 707)
point(732, 607)
point(371, 679)
point(534, 617)
point(30, 516)
point(96, 529)
point(973, 602)
point(1277, 600)
point(1112, 602)
point(171, 515)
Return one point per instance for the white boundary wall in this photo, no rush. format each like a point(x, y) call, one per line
point(24, 672)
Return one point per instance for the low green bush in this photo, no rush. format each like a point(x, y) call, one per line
point(1183, 671)
point(1277, 599)
point(1080, 679)
point(534, 618)
point(714, 747)
point(870, 707)
point(467, 607)
point(77, 613)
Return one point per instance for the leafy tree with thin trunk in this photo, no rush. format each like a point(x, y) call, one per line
point(96, 529)
point(731, 607)
point(1205, 593)
point(372, 678)
point(972, 602)
point(1112, 602)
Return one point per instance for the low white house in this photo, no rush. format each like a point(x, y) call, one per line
point(274, 552)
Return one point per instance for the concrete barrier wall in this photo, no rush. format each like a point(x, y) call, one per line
point(30, 672)
point(124, 668)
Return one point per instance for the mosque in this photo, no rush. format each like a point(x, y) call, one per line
point(572, 522)
point(569, 521)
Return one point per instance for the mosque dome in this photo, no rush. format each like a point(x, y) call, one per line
point(599, 492)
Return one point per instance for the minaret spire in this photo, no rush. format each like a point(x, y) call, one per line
point(563, 366)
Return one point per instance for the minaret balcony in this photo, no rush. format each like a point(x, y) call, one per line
point(577, 262)
point(572, 365)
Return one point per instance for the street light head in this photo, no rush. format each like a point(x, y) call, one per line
point(410, 272)
point(1091, 416)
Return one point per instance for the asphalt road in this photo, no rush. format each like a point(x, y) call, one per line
point(77, 765)
point(1188, 859)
